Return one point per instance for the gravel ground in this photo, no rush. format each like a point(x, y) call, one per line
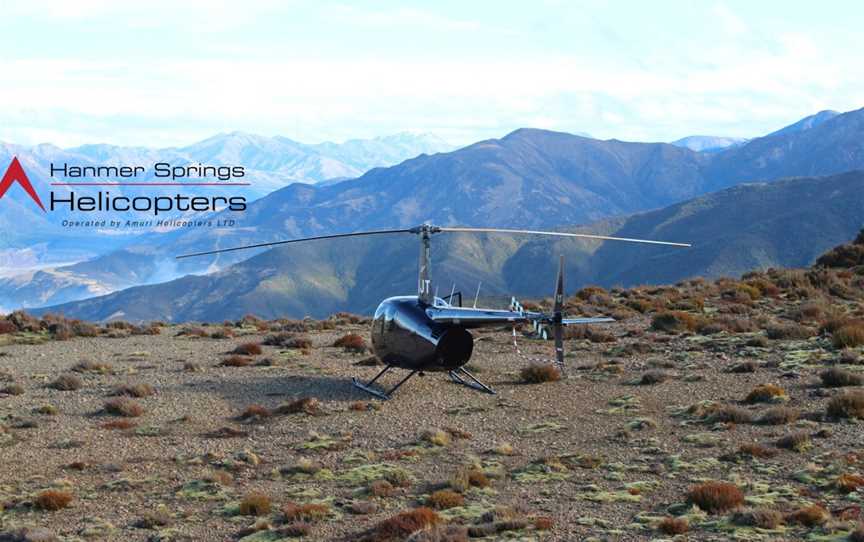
point(602, 456)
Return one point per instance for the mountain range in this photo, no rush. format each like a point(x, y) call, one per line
point(529, 178)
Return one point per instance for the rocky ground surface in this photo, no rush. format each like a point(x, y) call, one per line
point(724, 410)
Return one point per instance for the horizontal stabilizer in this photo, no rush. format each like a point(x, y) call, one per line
point(577, 321)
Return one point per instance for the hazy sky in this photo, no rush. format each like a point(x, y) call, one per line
point(172, 72)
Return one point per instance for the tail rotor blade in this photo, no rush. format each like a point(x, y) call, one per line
point(558, 317)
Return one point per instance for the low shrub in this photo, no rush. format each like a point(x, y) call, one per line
point(67, 382)
point(445, 498)
point(352, 342)
point(248, 349)
point(123, 406)
point(838, 378)
point(673, 526)
point(255, 504)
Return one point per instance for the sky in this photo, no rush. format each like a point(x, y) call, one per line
point(171, 72)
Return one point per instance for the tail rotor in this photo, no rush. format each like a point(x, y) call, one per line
point(558, 317)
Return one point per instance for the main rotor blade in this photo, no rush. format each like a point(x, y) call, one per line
point(565, 234)
point(285, 242)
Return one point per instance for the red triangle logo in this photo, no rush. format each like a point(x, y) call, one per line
point(15, 173)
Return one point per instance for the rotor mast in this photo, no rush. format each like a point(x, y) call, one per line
point(424, 278)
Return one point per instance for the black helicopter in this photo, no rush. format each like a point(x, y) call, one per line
point(425, 332)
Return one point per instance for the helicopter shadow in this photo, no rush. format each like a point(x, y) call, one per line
point(273, 389)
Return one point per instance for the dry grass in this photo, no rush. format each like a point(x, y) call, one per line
point(236, 361)
point(67, 382)
point(135, 390)
point(304, 405)
point(765, 393)
point(255, 413)
point(716, 497)
point(849, 483)
point(797, 442)
point(381, 488)
point(444, 499)
point(305, 512)
point(92, 367)
point(248, 349)
point(52, 500)
point(121, 425)
point(786, 332)
point(762, 518)
point(838, 378)
point(123, 406)
point(352, 342)
point(673, 526)
point(849, 336)
point(436, 437)
point(13, 389)
point(675, 322)
point(730, 414)
point(653, 377)
point(537, 373)
point(402, 525)
point(543, 523)
point(255, 504)
point(809, 516)
point(756, 450)
point(847, 405)
point(779, 416)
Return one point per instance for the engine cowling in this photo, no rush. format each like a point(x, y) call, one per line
point(404, 336)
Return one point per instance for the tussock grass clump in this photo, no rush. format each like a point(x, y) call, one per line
point(757, 451)
point(402, 525)
point(809, 516)
point(779, 416)
point(765, 393)
point(445, 498)
point(255, 504)
point(121, 425)
point(538, 373)
point(838, 378)
point(673, 526)
point(849, 336)
point(797, 442)
point(67, 382)
point(675, 322)
point(255, 413)
point(744, 367)
point(730, 414)
point(92, 367)
point(847, 405)
point(716, 497)
point(304, 405)
point(653, 377)
point(305, 512)
point(13, 389)
point(52, 500)
point(135, 390)
point(786, 332)
point(123, 406)
point(248, 349)
point(236, 361)
point(352, 342)
point(288, 340)
point(468, 477)
point(381, 488)
point(543, 523)
point(849, 483)
point(436, 437)
point(762, 518)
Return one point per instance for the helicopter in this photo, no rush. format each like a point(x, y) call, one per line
point(427, 333)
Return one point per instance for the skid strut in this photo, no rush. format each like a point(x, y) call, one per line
point(385, 395)
point(473, 382)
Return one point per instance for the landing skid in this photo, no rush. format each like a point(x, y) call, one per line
point(473, 383)
point(384, 395)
